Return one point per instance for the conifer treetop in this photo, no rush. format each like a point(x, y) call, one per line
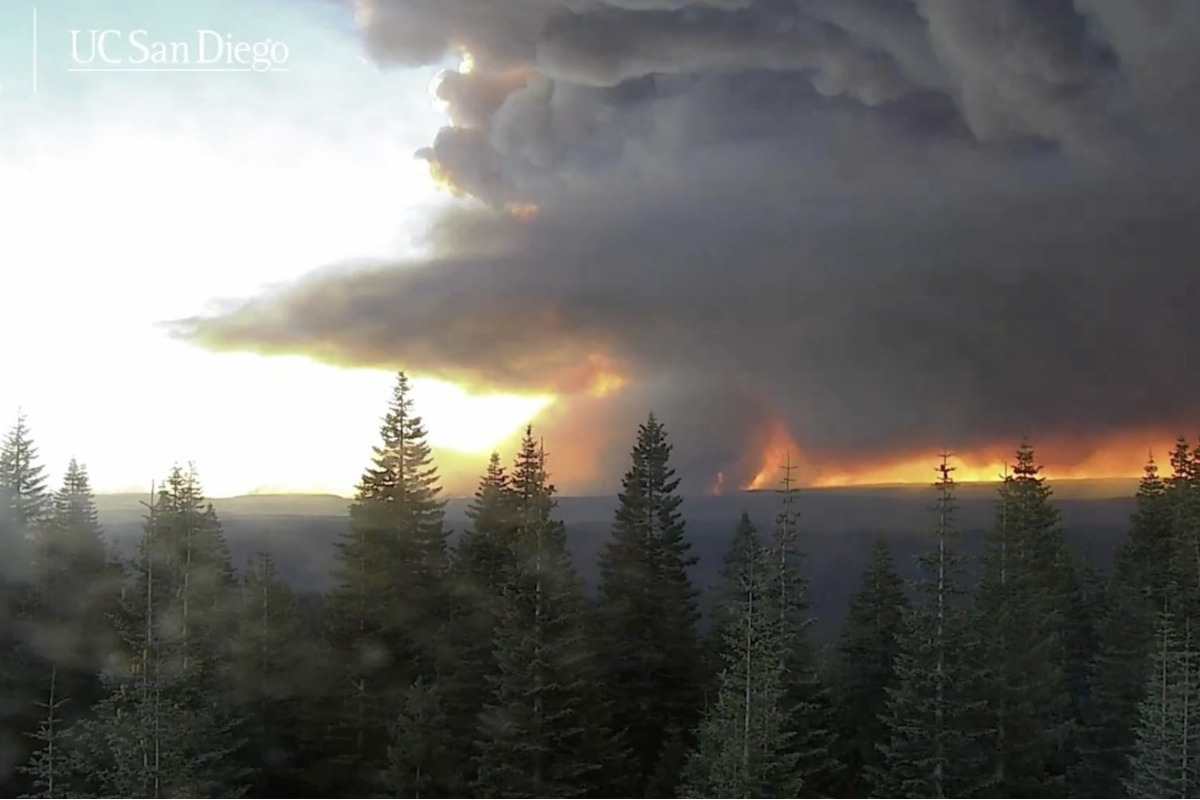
point(22, 479)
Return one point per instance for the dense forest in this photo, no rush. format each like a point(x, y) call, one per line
point(477, 665)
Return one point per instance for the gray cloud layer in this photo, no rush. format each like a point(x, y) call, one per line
point(894, 223)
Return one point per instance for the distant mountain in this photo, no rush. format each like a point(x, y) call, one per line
point(837, 527)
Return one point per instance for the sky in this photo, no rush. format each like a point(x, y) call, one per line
point(129, 200)
point(848, 233)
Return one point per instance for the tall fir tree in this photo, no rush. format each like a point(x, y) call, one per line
point(929, 746)
point(165, 727)
point(267, 687)
point(648, 614)
point(722, 598)
point(74, 592)
point(386, 608)
point(1144, 579)
point(807, 701)
point(1027, 603)
point(421, 758)
point(868, 653)
point(1165, 761)
point(27, 501)
point(538, 732)
point(744, 740)
point(482, 561)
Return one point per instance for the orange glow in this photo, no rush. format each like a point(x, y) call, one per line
point(919, 469)
point(522, 210)
point(1063, 457)
point(606, 380)
point(780, 450)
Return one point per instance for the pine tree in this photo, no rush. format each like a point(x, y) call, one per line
point(807, 703)
point(46, 767)
point(27, 502)
point(537, 733)
point(267, 682)
point(74, 591)
point(744, 741)
point(929, 745)
point(1164, 761)
point(420, 756)
point(723, 597)
point(648, 612)
point(481, 564)
point(163, 728)
point(1027, 603)
point(387, 606)
point(866, 669)
point(1144, 577)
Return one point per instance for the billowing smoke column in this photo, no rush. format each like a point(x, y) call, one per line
point(882, 226)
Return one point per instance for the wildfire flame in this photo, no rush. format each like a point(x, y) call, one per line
point(1064, 458)
point(780, 449)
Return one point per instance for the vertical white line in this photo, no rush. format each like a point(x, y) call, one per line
point(35, 52)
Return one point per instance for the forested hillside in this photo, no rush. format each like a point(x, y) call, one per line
point(952, 641)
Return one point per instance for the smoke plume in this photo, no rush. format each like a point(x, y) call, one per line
point(888, 225)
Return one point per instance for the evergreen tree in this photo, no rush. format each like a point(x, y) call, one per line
point(483, 560)
point(46, 767)
point(929, 745)
point(74, 592)
point(868, 652)
point(27, 501)
point(1182, 495)
point(537, 735)
point(807, 703)
point(648, 612)
point(387, 606)
point(164, 728)
point(723, 597)
point(744, 741)
point(1027, 602)
point(267, 685)
point(1164, 761)
point(1144, 575)
point(420, 756)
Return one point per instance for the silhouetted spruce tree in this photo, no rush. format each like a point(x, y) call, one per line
point(165, 727)
point(743, 747)
point(867, 667)
point(421, 759)
point(807, 701)
point(25, 507)
point(1165, 761)
point(270, 659)
point(1183, 497)
point(48, 767)
point(482, 560)
point(1143, 578)
point(1027, 601)
point(386, 609)
point(74, 592)
point(648, 614)
point(537, 732)
point(27, 501)
point(931, 719)
point(723, 598)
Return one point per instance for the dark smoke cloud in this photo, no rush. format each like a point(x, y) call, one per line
point(894, 224)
